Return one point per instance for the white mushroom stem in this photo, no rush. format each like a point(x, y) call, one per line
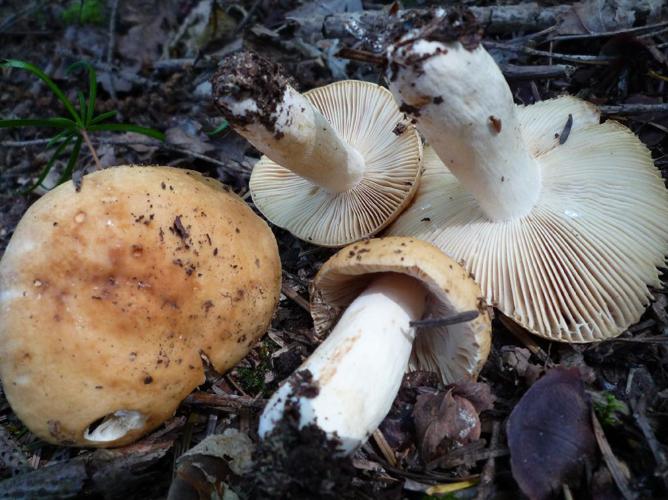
point(359, 367)
point(465, 110)
point(284, 125)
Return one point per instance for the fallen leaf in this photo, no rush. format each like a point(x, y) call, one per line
point(599, 16)
point(187, 134)
point(550, 434)
point(206, 470)
point(450, 419)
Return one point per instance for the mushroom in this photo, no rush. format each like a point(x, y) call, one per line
point(560, 218)
point(341, 160)
point(112, 298)
point(375, 289)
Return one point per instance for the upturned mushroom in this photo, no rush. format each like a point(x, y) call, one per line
point(560, 218)
point(373, 291)
point(112, 298)
point(341, 160)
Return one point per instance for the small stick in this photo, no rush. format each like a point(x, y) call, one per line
point(295, 297)
point(485, 489)
point(611, 460)
point(84, 134)
point(385, 447)
point(454, 319)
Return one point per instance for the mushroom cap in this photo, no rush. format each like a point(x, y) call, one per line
point(366, 117)
point(109, 295)
point(454, 351)
point(578, 266)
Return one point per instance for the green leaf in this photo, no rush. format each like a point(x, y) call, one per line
point(127, 127)
point(47, 168)
point(38, 122)
point(14, 63)
point(103, 117)
point(82, 103)
point(219, 128)
point(74, 155)
point(59, 137)
point(92, 87)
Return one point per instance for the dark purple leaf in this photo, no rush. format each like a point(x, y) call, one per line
point(549, 433)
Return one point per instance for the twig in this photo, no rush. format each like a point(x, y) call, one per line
point(510, 71)
point(111, 44)
point(611, 460)
point(226, 402)
point(528, 341)
point(295, 297)
point(485, 488)
point(26, 11)
point(517, 72)
point(559, 38)
point(574, 58)
point(84, 134)
point(246, 19)
point(384, 447)
point(239, 169)
point(639, 415)
point(634, 109)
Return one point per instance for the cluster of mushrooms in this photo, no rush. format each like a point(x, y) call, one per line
point(112, 299)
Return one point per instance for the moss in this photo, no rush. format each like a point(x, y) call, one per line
point(84, 12)
point(252, 379)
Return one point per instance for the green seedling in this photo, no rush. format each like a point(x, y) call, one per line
point(76, 126)
point(608, 408)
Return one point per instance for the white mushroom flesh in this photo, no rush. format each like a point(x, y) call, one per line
point(359, 367)
point(115, 426)
point(465, 110)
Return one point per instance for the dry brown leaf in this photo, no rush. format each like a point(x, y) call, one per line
point(450, 419)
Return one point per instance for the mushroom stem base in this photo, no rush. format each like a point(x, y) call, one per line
point(358, 369)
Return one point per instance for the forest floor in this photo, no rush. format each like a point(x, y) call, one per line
point(154, 59)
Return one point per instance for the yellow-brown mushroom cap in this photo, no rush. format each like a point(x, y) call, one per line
point(455, 351)
point(366, 117)
point(109, 295)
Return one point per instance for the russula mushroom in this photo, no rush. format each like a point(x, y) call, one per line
point(341, 160)
point(111, 297)
point(560, 218)
point(375, 289)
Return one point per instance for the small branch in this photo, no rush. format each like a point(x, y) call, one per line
point(295, 297)
point(486, 487)
point(226, 402)
point(111, 44)
point(86, 139)
point(634, 109)
point(239, 169)
point(586, 36)
point(517, 72)
point(611, 461)
point(574, 58)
